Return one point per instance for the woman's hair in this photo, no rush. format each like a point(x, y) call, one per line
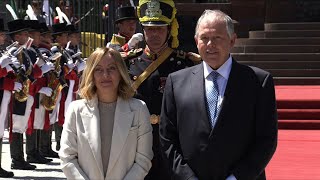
point(87, 88)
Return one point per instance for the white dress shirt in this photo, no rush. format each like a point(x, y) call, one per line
point(222, 80)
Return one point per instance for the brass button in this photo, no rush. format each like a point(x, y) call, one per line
point(154, 119)
point(135, 77)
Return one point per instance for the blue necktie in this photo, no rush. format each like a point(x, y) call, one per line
point(212, 94)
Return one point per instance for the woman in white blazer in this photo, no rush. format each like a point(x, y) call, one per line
point(107, 134)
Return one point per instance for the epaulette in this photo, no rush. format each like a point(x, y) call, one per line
point(131, 54)
point(117, 39)
point(194, 57)
point(188, 55)
point(180, 54)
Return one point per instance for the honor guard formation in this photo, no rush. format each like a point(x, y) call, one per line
point(40, 74)
point(47, 85)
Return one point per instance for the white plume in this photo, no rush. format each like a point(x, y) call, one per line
point(68, 45)
point(13, 14)
point(65, 17)
point(31, 13)
point(59, 14)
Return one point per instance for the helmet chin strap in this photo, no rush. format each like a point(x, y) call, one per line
point(164, 45)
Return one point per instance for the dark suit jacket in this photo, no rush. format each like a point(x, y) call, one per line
point(244, 137)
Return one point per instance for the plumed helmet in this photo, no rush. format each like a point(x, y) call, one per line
point(159, 13)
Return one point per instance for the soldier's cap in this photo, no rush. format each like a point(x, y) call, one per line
point(156, 12)
point(33, 25)
point(2, 29)
point(159, 13)
point(16, 26)
point(72, 29)
point(44, 28)
point(59, 28)
point(125, 13)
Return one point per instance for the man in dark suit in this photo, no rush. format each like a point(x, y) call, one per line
point(218, 119)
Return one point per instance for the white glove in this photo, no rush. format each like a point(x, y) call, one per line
point(44, 55)
point(47, 67)
point(81, 66)
point(9, 68)
point(15, 62)
point(5, 60)
point(135, 39)
point(46, 91)
point(17, 86)
point(40, 62)
point(70, 64)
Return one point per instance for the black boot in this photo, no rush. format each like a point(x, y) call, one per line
point(17, 155)
point(22, 164)
point(37, 158)
point(33, 155)
point(57, 131)
point(6, 174)
point(45, 144)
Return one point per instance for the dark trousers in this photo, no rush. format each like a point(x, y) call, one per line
point(16, 147)
point(57, 131)
point(32, 143)
point(0, 151)
point(45, 140)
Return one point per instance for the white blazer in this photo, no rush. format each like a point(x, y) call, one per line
point(131, 147)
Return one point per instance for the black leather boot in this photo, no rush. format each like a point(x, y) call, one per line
point(6, 174)
point(22, 164)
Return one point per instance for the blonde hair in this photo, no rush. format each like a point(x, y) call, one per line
point(87, 88)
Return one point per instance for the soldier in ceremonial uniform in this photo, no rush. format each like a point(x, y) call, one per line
point(20, 110)
point(60, 34)
point(126, 23)
point(37, 119)
point(7, 85)
point(45, 143)
point(149, 71)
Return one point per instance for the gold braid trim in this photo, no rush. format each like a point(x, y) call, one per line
point(151, 68)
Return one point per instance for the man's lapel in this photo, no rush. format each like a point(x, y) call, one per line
point(230, 91)
point(197, 90)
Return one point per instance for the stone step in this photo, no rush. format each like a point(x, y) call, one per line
point(276, 49)
point(284, 33)
point(283, 64)
point(299, 124)
point(298, 113)
point(279, 41)
point(296, 80)
point(276, 56)
point(292, 26)
point(298, 97)
point(294, 72)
